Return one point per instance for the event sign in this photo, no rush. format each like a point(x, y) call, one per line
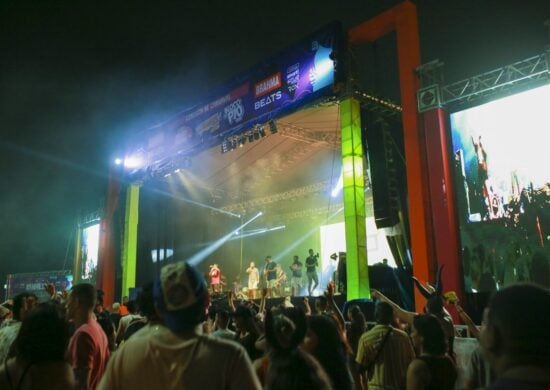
point(35, 282)
point(299, 75)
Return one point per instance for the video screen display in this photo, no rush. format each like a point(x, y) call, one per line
point(502, 188)
point(89, 252)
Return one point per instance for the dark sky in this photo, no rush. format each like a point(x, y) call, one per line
point(75, 80)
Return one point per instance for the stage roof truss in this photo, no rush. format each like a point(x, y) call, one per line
point(299, 192)
point(522, 74)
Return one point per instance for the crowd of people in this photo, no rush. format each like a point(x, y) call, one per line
point(175, 337)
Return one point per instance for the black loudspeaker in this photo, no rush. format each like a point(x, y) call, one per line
point(386, 168)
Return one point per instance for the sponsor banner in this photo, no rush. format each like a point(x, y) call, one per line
point(296, 76)
point(35, 282)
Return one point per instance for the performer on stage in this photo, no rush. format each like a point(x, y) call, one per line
point(253, 280)
point(296, 283)
point(311, 272)
point(280, 282)
point(215, 278)
point(270, 273)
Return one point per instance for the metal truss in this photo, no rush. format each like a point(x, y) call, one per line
point(532, 70)
point(308, 213)
point(286, 195)
point(94, 216)
point(294, 193)
point(330, 139)
point(378, 105)
point(328, 211)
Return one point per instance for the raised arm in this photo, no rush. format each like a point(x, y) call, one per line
point(403, 315)
point(262, 301)
point(332, 303)
point(307, 308)
point(474, 331)
point(230, 301)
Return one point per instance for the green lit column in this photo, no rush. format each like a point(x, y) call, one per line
point(130, 239)
point(354, 200)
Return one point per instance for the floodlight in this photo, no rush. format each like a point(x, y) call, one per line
point(132, 162)
point(273, 126)
point(261, 131)
point(118, 161)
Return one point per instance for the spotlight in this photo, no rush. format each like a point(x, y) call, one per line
point(261, 130)
point(226, 146)
point(118, 161)
point(133, 162)
point(242, 141)
point(273, 126)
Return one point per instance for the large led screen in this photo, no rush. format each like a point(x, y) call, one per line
point(90, 252)
point(502, 186)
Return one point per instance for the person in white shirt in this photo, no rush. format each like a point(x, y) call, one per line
point(253, 280)
point(175, 354)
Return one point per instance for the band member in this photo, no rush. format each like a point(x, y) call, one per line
point(270, 273)
point(311, 272)
point(253, 280)
point(215, 278)
point(296, 281)
point(280, 282)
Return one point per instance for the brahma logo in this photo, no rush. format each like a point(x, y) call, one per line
point(267, 85)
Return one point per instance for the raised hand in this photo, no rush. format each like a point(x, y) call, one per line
point(50, 289)
point(330, 290)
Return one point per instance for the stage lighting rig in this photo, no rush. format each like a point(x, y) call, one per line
point(273, 126)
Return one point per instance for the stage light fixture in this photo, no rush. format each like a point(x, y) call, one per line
point(242, 141)
point(133, 162)
point(118, 161)
point(273, 127)
point(261, 130)
point(226, 146)
point(256, 135)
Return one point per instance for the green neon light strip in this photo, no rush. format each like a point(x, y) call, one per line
point(354, 200)
point(130, 239)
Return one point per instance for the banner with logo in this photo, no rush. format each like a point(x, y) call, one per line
point(299, 75)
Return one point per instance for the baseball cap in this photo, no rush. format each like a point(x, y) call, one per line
point(180, 293)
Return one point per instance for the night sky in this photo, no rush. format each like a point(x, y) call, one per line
point(76, 80)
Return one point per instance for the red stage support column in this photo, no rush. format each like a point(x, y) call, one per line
point(106, 263)
point(403, 20)
point(442, 199)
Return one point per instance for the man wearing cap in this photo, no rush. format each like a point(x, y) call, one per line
point(175, 355)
